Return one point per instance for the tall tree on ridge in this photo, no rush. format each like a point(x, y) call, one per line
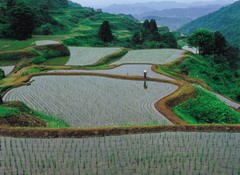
point(203, 40)
point(22, 22)
point(153, 26)
point(105, 32)
point(220, 43)
point(136, 38)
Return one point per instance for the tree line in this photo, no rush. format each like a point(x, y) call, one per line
point(148, 37)
point(215, 44)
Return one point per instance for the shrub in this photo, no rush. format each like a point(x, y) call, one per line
point(39, 59)
point(52, 54)
point(2, 74)
point(31, 71)
point(46, 29)
point(113, 57)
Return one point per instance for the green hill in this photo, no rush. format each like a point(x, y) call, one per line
point(69, 21)
point(226, 20)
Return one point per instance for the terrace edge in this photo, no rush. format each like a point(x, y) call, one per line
point(111, 131)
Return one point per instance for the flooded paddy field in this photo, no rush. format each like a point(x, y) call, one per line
point(45, 42)
point(151, 56)
point(87, 101)
point(129, 70)
point(88, 55)
point(7, 69)
point(157, 153)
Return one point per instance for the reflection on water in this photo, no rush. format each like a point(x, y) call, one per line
point(145, 84)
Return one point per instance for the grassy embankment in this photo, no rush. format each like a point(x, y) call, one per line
point(204, 107)
point(204, 71)
point(19, 115)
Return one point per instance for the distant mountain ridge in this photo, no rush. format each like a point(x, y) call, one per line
point(134, 9)
point(177, 17)
point(226, 20)
point(169, 13)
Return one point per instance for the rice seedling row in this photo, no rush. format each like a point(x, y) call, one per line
point(88, 55)
point(129, 70)
point(156, 153)
point(151, 56)
point(85, 101)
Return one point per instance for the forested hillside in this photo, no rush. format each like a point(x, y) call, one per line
point(226, 20)
point(59, 17)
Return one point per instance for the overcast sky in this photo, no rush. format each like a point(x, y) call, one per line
point(103, 3)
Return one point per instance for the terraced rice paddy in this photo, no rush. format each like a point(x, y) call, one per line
point(45, 42)
point(129, 70)
point(88, 55)
point(85, 101)
point(7, 69)
point(152, 154)
point(190, 49)
point(227, 101)
point(151, 56)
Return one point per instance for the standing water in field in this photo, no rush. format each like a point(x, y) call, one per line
point(85, 101)
point(151, 56)
point(45, 42)
point(129, 70)
point(155, 154)
point(7, 69)
point(88, 55)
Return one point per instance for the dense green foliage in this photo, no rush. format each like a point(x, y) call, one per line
point(215, 44)
point(226, 20)
point(21, 22)
point(151, 37)
point(47, 54)
point(20, 19)
point(203, 40)
point(214, 70)
point(206, 108)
